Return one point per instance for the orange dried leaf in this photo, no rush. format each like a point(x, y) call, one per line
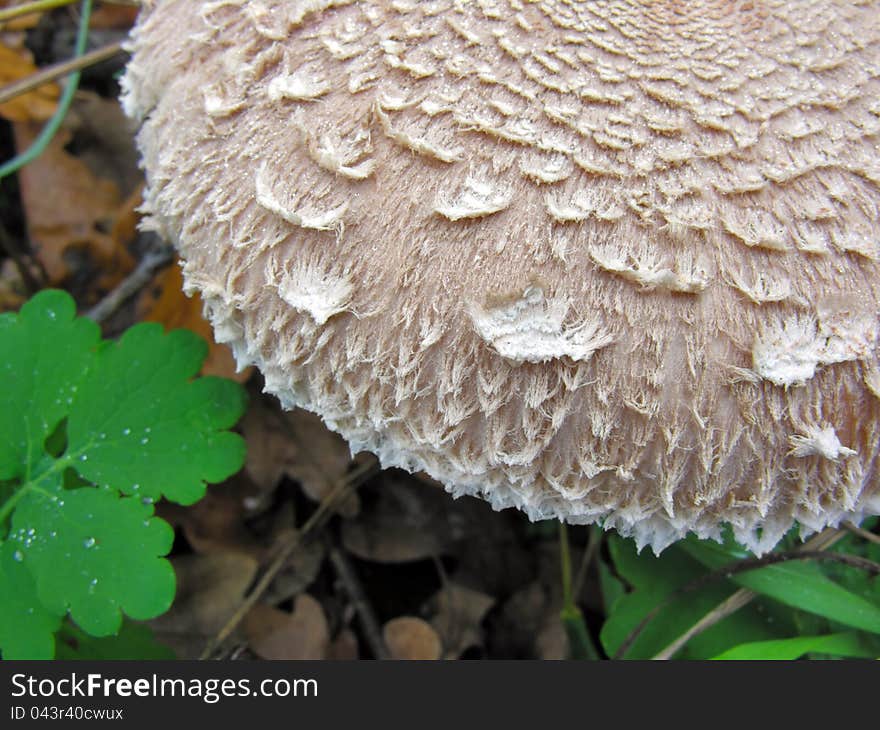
point(174, 309)
point(37, 105)
point(70, 215)
point(275, 634)
point(113, 17)
point(409, 637)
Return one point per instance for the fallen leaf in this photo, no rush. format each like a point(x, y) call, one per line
point(276, 634)
point(209, 590)
point(296, 444)
point(344, 647)
point(113, 17)
point(71, 203)
point(216, 523)
point(551, 641)
point(458, 615)
point(35, 106)
point(300, 570)
point(408, 521)
point(172, 308)
point(13, 291)
point(409, 637)
point(519, 621)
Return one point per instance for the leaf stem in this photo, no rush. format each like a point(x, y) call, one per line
point(580, 644)
point(48, 132)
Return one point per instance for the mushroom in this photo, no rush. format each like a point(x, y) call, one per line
point(609, 262)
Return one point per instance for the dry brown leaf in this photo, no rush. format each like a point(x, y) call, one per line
point(459, 612)
point(276, 634)
point(13, 291)
point(519, 621)
point(551, 641)
point(296, 444)
point(300, 570)
point(72, 201)
point(216, 522)
point(409, 637)
point(344, 646)
point(113, 17)
point(209, 590)
point(23, 22)
point(172, 308)
point(35, 106)
point(408, 521)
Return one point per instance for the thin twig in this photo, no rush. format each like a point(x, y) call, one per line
point(812, 549)
point(289, 547)
point(56, 71)
point(822, 541)
point(739, 599)
point(565, 564)
point(349, 578)
point(39, 6)
point(593, 543)
point(861, 532)
point(157, 257)
point(54, 124)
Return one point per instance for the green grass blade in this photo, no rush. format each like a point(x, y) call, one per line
point(848, 644)
point(796, 584)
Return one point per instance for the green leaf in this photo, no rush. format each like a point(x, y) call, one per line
point(134, 641)
point(94, 432)
point(653, 579)
point(797, 584)
point(141, 425)
point(848, 644)
point(84, 546)
point(27, 628)
point(44, 355)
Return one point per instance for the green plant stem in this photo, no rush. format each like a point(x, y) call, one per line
point(48, 132)
point(580, 644)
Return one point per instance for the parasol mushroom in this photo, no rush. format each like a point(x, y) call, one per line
point(599, 261)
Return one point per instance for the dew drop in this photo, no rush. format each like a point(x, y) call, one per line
point(18, 556)
point(126, 431)
point(145, 441)
point(135, 487)
point(146, 500)
point(84, 457)
point(89, 542)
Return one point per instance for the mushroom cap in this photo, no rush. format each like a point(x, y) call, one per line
point(600, 261)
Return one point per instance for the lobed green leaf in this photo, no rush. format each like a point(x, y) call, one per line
point(92, 434)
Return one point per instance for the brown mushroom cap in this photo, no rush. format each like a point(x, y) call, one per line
point(595, 260)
